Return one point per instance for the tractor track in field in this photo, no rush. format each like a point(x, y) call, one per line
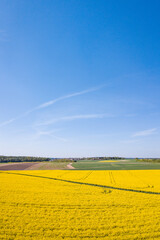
point(112, 180)
point(83, 183)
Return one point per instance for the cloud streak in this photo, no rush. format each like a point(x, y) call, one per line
point(145, 132)
point(74, 117)
point(51, 102)
point(7, 122)
point(50, 134)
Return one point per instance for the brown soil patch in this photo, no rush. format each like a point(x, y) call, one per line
point(36, 166)
point(16, 166)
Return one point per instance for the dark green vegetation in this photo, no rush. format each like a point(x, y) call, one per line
point(7, 159)
point(127, 164)
point(60, 160)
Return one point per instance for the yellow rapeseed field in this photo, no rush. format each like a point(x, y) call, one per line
point(72, 204)
point(109, 161)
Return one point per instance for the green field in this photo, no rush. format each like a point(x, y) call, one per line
point(128, 164)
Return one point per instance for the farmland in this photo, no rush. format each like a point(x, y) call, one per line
point(34, 166)
point(123, 164)
point(77, 204)
point(126, 164)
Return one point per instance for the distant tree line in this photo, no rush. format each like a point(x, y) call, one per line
point(153, 160)
point(62, 160)
point(6, 159)
point(86, 158)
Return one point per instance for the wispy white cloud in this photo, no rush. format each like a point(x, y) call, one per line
point(7, 122)
point(145, 132)
point(74, 117)
point(40, 133)
point(51, 102)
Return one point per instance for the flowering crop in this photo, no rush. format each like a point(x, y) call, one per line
point(109, 161)
point(72, 204)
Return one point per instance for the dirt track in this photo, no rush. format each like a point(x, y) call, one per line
point(69, 166)
point(16, 166)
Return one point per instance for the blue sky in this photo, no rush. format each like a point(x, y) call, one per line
point(80, 78)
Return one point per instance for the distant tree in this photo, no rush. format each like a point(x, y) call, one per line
point(5, 159)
